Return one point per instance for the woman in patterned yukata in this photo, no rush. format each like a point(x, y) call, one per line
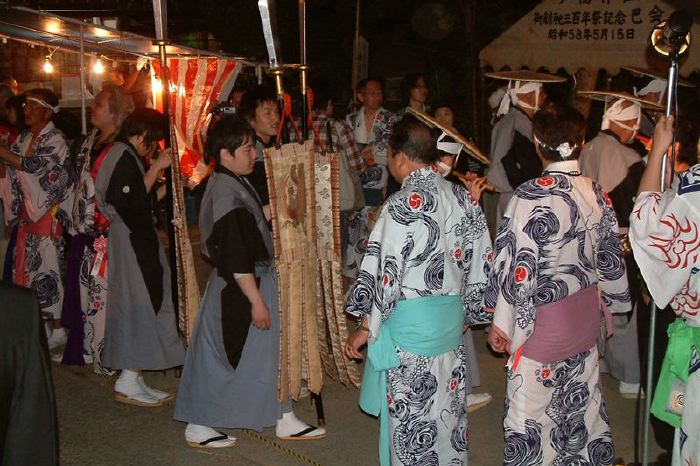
point(664, 237)
point(86, 272)
point(420, 285)
point(140, 331)
point(37, 191)
point(232, 364)
point(557, 254)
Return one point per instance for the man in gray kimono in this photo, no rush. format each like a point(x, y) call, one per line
point(608, 160)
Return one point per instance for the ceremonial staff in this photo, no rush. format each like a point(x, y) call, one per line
point(186, 293)
point(267, 17)
point(670, 38)
point(305, 110)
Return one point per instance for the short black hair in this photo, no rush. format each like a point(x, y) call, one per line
point(229, 133)
point(68, 123)
point(409, 82)
point(255, 98)
point(557, 124)
point(363, 83)
point(413, 138)
point(687, 135)
point(44, 94)
point(16, 103)
point(151, 123)
point(322, 94)
point(442, 103)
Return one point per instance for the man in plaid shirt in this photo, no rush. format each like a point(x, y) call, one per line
point(343, 141)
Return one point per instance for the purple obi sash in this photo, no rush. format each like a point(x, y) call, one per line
point(567, 327)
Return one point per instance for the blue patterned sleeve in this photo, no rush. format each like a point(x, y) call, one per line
point(378, 285)
point(512, 284)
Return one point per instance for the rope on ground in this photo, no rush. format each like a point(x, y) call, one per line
point(282, 448)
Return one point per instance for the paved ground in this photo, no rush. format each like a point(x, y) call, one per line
point(95, 430)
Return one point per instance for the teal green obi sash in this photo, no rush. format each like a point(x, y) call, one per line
point(667, 404)
point(428, 326)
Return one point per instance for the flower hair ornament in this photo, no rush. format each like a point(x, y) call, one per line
point(565, 149)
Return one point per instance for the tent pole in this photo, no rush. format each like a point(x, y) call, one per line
point(83, 88)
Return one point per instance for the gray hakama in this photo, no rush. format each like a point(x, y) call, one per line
point(136, 337)
point(212, 392)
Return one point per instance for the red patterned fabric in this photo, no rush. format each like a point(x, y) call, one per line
point(196, 85)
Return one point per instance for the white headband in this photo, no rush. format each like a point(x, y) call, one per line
point(565, 149)
point(44, 104)
point(615, 113)
point(453, 148)
point(516, 88)
point(657, 85)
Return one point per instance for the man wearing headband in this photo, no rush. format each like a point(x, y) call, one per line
point(608, 160)
point(557, 254)
point(421, 283)
point(512, 154)
point(37, 195)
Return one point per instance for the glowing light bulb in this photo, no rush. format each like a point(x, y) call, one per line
point(48, 66)
point(99, 67)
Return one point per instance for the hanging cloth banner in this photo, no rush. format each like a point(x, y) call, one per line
point(290, 179)
point(196, 86)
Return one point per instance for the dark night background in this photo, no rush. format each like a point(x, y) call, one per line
point(440, 38)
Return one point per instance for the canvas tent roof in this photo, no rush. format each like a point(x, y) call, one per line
point(43, 27)
point(593, 34)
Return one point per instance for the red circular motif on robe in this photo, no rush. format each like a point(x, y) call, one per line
point(608, 201)
point(453, 385)
point(458, 253)
point(545, 373)
point(386, 279)
point(489, 256)
point(415, 200)
point(545, 181)
point(520, 274)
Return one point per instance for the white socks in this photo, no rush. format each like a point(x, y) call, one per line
point(129, 389)
point(58, 338)
point(289, 424)
point(196, 434)
point(155, 393)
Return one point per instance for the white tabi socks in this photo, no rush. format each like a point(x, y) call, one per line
point(155, 393)
point(205, 437)
point(289, 427)
point(128, 390)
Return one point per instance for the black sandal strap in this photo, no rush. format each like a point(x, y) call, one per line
point(214, 439)
point(304, 432)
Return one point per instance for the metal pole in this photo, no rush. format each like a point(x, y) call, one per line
point(302, 70)
point(83, 88)
point(356, 52)
point(670, 99)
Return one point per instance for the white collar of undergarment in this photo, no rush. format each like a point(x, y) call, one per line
point(360, 130)
point(518, 88)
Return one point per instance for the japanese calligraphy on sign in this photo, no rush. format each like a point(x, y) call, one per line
point(598, 20)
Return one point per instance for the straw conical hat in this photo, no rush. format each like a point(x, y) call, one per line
point(654, 74)
point(607, 96)
point(526, 75)
point(469, 148)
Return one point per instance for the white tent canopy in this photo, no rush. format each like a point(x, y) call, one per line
point(574, 34)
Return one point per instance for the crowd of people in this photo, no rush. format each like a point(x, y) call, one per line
point(585, 238)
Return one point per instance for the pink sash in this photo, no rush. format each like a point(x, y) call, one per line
point(567, 327)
